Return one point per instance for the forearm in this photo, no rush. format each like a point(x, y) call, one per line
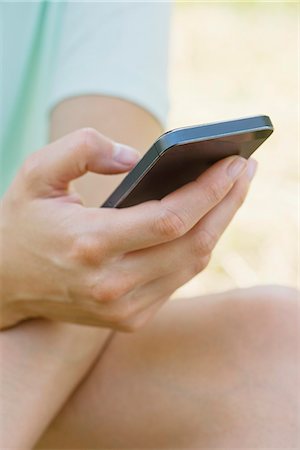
point(41, 364)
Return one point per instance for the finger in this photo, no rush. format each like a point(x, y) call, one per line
point(125, 311)
point(209, 230)
point(155, 222)
point(163, 259)
point(142, 318)
point(148, 299)
point(75, 154)
point(127, 305)
point(193, 247)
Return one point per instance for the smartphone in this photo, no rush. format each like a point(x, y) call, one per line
point(181, 155)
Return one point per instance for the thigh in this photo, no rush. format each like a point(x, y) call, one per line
point(209, 372)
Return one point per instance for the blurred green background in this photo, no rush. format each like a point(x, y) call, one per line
point(237, 59)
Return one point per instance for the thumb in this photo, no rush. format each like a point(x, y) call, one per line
point(70, 157)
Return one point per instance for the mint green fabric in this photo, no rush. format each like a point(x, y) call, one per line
point(54, 50)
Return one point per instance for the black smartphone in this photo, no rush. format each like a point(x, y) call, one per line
point(181, 155)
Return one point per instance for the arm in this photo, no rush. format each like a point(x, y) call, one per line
point(17, 371)
point(42, 362)
point(122, 121)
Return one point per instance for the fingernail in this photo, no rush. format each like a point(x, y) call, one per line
point(125, 155)
point(237, 166)
point(251, 168)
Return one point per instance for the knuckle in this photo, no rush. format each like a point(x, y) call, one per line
point(240, 197)
point(30, 169)
point(111, 292)
point(214, 192)
point(86, 250)
point(206, 261)
point(200, 264)
point(169, 224)
point(204, 242)
point(103, 294)
point(87, 136)
point(86, 140)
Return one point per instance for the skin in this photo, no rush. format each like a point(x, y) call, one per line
point(121, 120)
point(111, 266)
point(33, 340)
point(42, 362)
point(220, 371)
point(52, 358)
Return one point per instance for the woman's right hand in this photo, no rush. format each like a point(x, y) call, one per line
point(98, 266)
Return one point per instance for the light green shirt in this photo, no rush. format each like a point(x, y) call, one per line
point(54, 50)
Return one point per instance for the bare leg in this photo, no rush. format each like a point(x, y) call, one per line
point(220, 371)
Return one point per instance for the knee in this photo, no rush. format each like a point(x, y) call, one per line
point(269, 316)
point(271, 304)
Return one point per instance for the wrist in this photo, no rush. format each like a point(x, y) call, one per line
point(12, 310)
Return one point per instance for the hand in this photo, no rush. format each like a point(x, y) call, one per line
point(101, 266)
